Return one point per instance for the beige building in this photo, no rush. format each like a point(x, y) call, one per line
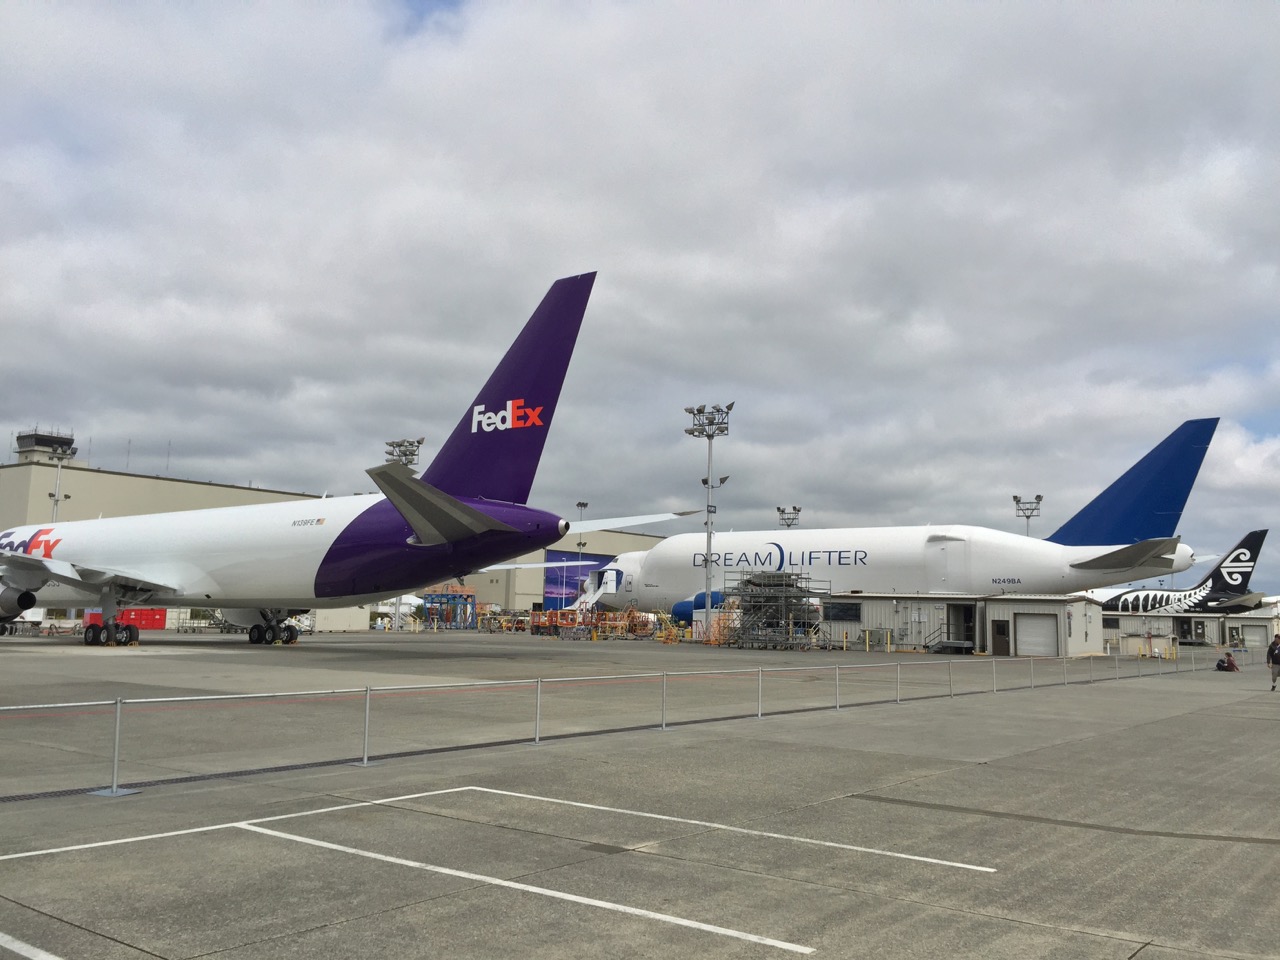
point(48, 483)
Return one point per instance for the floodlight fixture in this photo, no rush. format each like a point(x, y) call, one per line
point(1027, 508)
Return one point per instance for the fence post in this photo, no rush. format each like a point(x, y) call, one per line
point(364, 758)
point(837, 686)
point(1117, 666)
point(994, 688)
point(664, 699)
point(114, 790)
point(1091, 669)
point(1064, 671)
point(951, 690)
point(759, 692)
point(537, 713)
point(1033, 673)
point(897, 690)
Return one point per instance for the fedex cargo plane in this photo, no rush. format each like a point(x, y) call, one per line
point(1124, 534)
point(261, 563)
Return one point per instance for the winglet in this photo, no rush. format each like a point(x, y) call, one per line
point(1146, 502)
point(493, 452)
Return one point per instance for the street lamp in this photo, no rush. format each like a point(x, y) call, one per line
point(709, 424)
point(404, 451)
point(577, 580)
point(60, 452)
point(1027, 509)
point(788, 516)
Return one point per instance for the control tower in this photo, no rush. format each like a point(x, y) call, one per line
point(46, 446)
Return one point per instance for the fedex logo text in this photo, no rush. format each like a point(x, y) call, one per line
point(37, 541)
point(514, 416)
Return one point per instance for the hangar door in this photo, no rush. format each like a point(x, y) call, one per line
point(1255, 635)
point(1035, 634)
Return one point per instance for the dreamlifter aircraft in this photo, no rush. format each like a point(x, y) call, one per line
point(261, 563)
point(1124, 534)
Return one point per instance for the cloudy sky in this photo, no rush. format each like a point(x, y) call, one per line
point(937, 254)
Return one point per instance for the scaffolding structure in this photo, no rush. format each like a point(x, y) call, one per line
point(775, 610)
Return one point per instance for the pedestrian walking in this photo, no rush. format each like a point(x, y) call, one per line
point(1273, 660)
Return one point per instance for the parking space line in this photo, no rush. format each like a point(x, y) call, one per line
point(540, 891)
point(743, 830)
point(354, 805)
point(25, 949)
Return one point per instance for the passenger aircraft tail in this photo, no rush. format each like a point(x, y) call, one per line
point(1225, 587)
point(494, 450)
point(1146, 502)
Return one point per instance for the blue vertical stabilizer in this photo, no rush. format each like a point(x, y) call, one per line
point(1145, 503)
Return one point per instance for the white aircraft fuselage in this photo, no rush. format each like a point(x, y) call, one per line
point(336, 551)
point(917, 560)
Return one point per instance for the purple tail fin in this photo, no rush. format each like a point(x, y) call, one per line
point(494, 450)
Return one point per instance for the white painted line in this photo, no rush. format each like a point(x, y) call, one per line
point(224, 826)
point(541, 891)
point(25, 949)
point(114, 843)
point(742, 830)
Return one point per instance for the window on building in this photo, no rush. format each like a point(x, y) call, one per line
point(849, 610)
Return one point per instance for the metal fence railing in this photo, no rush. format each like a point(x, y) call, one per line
point(54, 747)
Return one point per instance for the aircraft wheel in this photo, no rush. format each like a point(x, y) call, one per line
point(290, 633)
point(132, 634)
point(109, 634)
point(255, 633)
point(270, 634)
point(92, 635)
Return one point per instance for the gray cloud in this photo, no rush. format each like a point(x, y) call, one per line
point(938, 254)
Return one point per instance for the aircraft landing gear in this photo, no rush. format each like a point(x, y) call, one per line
point(111, 634)
point(274, 632)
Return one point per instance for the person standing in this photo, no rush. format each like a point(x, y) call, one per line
point(1273, 659)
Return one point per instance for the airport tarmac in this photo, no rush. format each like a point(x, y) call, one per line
point(1086, 816)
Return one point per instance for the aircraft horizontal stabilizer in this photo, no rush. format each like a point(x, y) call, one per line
point(434, 516)
point(1147, 553)
point(80, 576)
point(618, 523)
point(1246, 601)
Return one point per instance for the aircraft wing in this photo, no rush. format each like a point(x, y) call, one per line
point(548, 564)
point(79, 575)
point(1158, 552)
point(434, 516)
point(618, 523)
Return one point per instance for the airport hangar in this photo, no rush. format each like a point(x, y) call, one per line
point(45, 466)
point(1011, 624)
point(1005, 624)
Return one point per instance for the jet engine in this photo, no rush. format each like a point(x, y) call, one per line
point(14, 601)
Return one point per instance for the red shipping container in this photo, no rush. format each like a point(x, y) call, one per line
point(144, 618)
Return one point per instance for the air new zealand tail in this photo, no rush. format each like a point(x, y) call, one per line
point(1226, 587)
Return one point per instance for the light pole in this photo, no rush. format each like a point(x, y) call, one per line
point(406, 452)
point(1027, 509)
point(788, 516)
point(709, 424)
point(60, 453)
point(581, 505)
